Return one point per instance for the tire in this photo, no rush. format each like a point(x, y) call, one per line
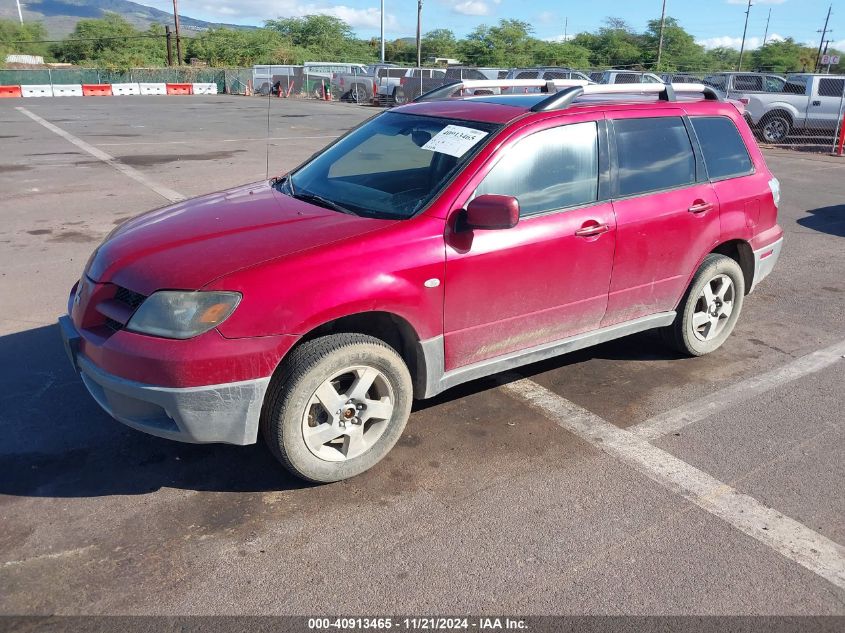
point(705, 321)
point(367, 423)
point(775, 128)
point(358, 94)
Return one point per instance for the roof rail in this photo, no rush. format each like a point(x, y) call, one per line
point(447, 90)
point(563, 92)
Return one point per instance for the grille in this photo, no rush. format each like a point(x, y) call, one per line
point(130, 298)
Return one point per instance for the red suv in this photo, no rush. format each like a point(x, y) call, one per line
point(436, 243)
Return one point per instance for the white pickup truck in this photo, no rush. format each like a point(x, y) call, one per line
point(808, 103)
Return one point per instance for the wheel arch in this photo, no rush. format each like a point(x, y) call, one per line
point(779, 111)
point(740, 251)
point(394, 330)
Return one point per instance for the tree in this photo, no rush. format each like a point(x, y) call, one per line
point(680, 52)
point(324, 38)
point(439, 43)
point(12, 34)
point(783, 56)
point(721, 58)
point(561, 54)
point(615, 44)
point(111, 42)
point(507, 44)
point(241, 47)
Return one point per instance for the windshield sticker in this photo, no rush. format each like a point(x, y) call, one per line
point(454, 140)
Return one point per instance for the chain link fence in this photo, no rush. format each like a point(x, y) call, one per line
point(799, 111)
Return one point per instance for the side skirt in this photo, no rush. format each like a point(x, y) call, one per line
point(435, 379)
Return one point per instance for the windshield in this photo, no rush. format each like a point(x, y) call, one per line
point(391, 166)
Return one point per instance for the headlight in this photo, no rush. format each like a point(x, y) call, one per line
point(179, 314)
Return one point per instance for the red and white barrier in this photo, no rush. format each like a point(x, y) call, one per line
point(40, 90)
point(67, 90)
point(153, 89)
point(180, 89)
point(125, 89)
point(96, 90)
point(107, 90)
point(204, 89)
point(7, 92)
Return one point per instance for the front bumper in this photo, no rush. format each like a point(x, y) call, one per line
point(765, 260)
point(227, 413)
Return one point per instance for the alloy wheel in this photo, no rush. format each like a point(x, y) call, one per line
point(713, 308)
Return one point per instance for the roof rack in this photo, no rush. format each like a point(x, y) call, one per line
point(563, 92)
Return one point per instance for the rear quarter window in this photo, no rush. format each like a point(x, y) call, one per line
point(725, 154)
point(652, 154)
point(831, 87)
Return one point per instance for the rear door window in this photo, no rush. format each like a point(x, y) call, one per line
point(831, 87)
point(527, 74)
point(652, 154)
point(752, 83)
point(724, 151)
point(626, 78)
point(548, 170)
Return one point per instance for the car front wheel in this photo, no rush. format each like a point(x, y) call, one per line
point(710, 308)
point(337, 406)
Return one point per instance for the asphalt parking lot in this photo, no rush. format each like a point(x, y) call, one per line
point(618, 480)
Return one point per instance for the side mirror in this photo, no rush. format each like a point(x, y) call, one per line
point(490, 212)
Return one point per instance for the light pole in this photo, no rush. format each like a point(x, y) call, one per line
point(382, 31)
point(419, 41)
point(744, 31)
point(662, 25)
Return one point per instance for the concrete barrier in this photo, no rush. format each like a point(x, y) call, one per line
point(205, 89)
point(96, 90)
point(153, 89)
point(40, 90)
point(67, 90)
point(7, 92)
point(125, 89)
point(180, 89)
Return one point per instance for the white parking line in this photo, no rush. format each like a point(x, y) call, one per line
point(781, 533)
point(703, 408)
point(134, 174)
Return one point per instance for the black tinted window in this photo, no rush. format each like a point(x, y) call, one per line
point(548, 170)
point(748, 82)
point(717, 81)
point(555, 74)
point(527, 74)
point(653, 154)
point(627, 78)
point(724, 151)
point(831, 87)
point(795, 86)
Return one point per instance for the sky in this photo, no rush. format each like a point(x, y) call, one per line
point(711, 22)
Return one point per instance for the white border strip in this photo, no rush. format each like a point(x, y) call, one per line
point(703, 408)
point(781, 533)
point(134, 174)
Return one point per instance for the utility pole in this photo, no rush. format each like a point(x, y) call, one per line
point(168, 34)
point(821, 42)
point(382, 31)
point(178, 41)
point(662, 25)
point(419, 40)
point(565, 28)
point(744, 31)
point(766, 32)
point(20, 13)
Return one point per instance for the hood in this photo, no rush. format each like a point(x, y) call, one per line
point(190, 244)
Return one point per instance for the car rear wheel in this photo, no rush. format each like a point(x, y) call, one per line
point(358, 94)
point(775, 129)
point(710, 308)
point(337, 406)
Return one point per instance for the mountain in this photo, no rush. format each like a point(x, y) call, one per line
point(60, 16)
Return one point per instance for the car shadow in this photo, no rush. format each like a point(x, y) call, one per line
point(829, 220)
point(59, 443)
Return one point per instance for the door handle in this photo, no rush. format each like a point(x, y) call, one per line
point(817, 103)
point(700, 206)
point(592, 230)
